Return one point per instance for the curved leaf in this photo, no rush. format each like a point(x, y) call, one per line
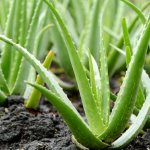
point(79, 129)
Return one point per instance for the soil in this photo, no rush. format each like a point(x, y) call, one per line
point(22, 129)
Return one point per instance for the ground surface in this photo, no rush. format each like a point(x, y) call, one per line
point(41, 130)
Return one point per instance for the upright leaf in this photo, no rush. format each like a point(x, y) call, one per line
point(126, 98)
point(105, 101)
point(89, 104)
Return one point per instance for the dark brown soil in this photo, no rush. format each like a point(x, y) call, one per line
point(41, 130)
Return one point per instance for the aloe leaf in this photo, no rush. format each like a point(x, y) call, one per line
point(114, 56)
point(105, 103)
point(140, 96)
point(78, 11)
point(136, 127)
point(6, 59)
point(95, 81)
point(140, 120)
point(79, 129)
point(60, 100)
point(126, 34)
point(3, 14)
point(39, 36)
point(113, 12)
point(3, 83)
point(34, 98)
point(20, 38)
point(140, 14)
point(2, 97)
point(93, 38)
point(126, 98)
point(61, 49)
point(89, 104)
point(128, 54)
point(24, 67)
point(65, 85)
point(46, 76)
point(31, 14)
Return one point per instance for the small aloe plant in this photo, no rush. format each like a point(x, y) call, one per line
point(102, 128)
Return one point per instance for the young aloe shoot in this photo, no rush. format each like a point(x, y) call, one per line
point(34, 98)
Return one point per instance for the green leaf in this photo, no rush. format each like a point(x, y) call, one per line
point(140, 95)
point(35, 96)
point(58, 98)
point(46, 76)
point(61, 48)
point(6, 59)
point(105, 101)
point(140, 14)
point(2, 98)
point(79, 13)
point(114, 56)
point(24, 67)
point(94, 29)
point(140, 120)
point(79, 129)
point(136, 127)
point(127, 96)
point(89, 104)
point(126, 34)
point(20, 38)
point(3, 83)
point(95, 81)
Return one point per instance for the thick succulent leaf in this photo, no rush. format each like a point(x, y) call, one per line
point(113, 12)
point(39, 38)
point(46, 76)
point(140, 120)
point(89, 104)
point(76, 124)
point(114, 56)
point(135, 128)
point(105, 92)
point(126, 34)
point(140, 96)
point(24, 67)
point(78, 11)
point(2, 98)
point(140, 14)
point(3, 14)
point(95, 81)
point(126, 98)
point(20, 34)
point(35, 96)
point(61, 49)
point(94, 28)
point(3, 83)
point(6, 59)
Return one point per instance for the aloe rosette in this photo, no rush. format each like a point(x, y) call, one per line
point(103, 128)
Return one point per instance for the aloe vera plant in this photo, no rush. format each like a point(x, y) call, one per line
point(102, 128)
point(22, 26)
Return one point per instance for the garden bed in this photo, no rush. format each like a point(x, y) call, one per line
point(43, 129)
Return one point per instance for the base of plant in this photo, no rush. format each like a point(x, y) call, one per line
point(80, 146)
